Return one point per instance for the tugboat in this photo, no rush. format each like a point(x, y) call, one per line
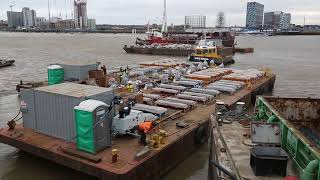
point(154, 36)
point(212, 51)
point(5, 63)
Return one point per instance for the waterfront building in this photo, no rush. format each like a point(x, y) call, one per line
point(272, 19)
point(195, 21)
point(311, 28)
point(15, 19)
point(269, 22)
point(65, 24)
point(285, 21)
point(92, 24)
point(29, 18)
point(80, 14)
point(277, 20)
point(55, 19)
point(254, 19)
point(47, 25)
point(40, 20)
point(3, 24)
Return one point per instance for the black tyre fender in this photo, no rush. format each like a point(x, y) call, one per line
point(200, 135)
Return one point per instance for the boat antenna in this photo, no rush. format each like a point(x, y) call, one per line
point(164, 21)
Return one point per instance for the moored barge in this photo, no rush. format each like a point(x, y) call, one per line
point(287, 124)
point(186, 127)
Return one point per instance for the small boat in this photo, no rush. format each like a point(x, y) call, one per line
point(212, 51)
point(4, 63)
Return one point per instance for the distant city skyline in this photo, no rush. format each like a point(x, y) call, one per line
point(142, 11)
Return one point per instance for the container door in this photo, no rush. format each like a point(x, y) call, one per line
point(102, 129)
point(84, 126)
point(28, 109)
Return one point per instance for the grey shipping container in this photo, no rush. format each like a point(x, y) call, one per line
point(49, 110)
point(77, 70)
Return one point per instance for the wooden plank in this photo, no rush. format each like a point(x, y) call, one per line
point(82, 155)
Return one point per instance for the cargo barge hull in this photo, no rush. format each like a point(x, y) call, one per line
point(177, 52)
point(158, 51)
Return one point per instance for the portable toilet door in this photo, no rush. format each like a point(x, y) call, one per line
point(55, 75)
point(92, 126)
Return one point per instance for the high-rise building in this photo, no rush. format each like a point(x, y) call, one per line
point(15, 19)
point(268, 20)
point(272, 19)
point(195, 22)
point(285, 21)
point(29, 18)
point(254, 18)
point(80, 14)
point(277, 20)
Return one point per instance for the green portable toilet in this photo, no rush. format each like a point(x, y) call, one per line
point(92, 126)
point(55, 75)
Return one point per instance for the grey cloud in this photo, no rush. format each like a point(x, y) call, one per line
point(140, 11)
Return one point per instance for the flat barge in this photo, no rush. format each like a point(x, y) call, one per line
point(244, 50)
point(223, 55)
point(287, 122)
point(158, 51)
point(179, 143)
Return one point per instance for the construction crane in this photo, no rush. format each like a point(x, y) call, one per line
point(12, 5)
point(11, 15)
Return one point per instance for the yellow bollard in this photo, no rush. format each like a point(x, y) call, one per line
point(115, 155)
point(151, 143)
point(163, 135)
point(156, 138)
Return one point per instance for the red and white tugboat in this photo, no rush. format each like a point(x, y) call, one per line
point(154, 36)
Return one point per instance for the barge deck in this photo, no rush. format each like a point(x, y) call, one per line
point(179, 144)
point(287, 122)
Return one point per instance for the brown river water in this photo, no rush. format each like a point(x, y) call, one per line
point(295, 60)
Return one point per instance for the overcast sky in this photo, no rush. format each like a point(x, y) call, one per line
point(142, 11)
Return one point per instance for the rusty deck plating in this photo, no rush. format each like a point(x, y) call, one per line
point(179, 144)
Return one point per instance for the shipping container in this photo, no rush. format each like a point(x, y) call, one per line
point(299, 120)
point(78, 71)
point(49, 110)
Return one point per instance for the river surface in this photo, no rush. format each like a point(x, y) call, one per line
point(295, 60)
